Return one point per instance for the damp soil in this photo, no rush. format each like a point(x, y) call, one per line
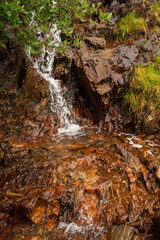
point(79, 187)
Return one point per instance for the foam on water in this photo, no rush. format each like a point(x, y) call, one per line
point(136, 145)
point(72, 228)
point(72, 130)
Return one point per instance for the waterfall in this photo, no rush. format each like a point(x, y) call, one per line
point(60, 107)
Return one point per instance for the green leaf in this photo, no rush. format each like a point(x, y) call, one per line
point(3, 45)
point(9, 14)
point(99, 4)
point(109, 15)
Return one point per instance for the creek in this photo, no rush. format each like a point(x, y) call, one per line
point(78, 188)
point(79, 183)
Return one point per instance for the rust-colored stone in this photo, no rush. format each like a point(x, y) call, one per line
point(51, 224)
point(158, 172)
point(38, 213)
point(33, 238)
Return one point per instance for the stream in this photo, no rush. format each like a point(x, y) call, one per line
point(78, 183)
point(78, 188)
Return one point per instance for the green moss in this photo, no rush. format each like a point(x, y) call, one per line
point(129, 24)
point(155, 8)
point(143, 97)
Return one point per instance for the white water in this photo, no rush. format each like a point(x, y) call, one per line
point(73, 228)
point(61, 109)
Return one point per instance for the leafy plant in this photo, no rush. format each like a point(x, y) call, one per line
point(144, 93)
point(104, 16)
point(16, 20)
point(129, 24)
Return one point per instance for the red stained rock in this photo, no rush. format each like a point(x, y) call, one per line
point(56, 207)
point(158, 172)
point(132, 178)
point(96, 42)
point(38, 212)
point(34, 238)
point(51, 224)
point(60, 169)
point(133, 187)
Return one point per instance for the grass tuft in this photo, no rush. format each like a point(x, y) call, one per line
point(143, 97)
point(131, 23)
point(155, 8)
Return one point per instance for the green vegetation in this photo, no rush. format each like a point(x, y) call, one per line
point(130, 24)
point(16, 16)
point(143, 97)
point(155, 8)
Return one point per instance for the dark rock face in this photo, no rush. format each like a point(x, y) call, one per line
point(13, 69)
point(103, 66)
point(24, 96)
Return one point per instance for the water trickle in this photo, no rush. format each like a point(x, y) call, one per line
point(60, 107)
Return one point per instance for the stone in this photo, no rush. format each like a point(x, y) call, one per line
point(96, 42)
point(150, 137)
point(33, 238)
point(116, 139)
point(157, 173)
point(123, 231)
point(148, 46)
point(117, 79)
point(126, 63)
point(51, 224)
point(37, 213)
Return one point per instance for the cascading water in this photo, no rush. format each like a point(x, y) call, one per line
point(60, 108)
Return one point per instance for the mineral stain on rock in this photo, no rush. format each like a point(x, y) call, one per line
point(103, 184)
point(80, 194)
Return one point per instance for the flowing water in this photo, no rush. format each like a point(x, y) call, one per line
point(60, 107)
point(76, 188)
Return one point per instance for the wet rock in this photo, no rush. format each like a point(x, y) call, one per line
point(51, 224)
point(103, 75)
point(129, 158)
point(157, 173)
point(150, 137)
point(123, 232)
point(37, 213)
point(92, 187)
point(33, 238)
point(117, 79)
point(12, 71)
point(116, 139)
point(97, 43)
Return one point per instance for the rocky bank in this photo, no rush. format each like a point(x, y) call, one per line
point(103, 66)
point(100, 185)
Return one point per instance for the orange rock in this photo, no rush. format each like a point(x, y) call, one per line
point(56, 207)
point(38, 213)
point(141, 135)
point(89, 150)
point(77, 182)
point(158, 172)
point(51, 224)
point(133, 187)
point(85, 162)
point(34, 238)
point(60, 169)
point(132, 178)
